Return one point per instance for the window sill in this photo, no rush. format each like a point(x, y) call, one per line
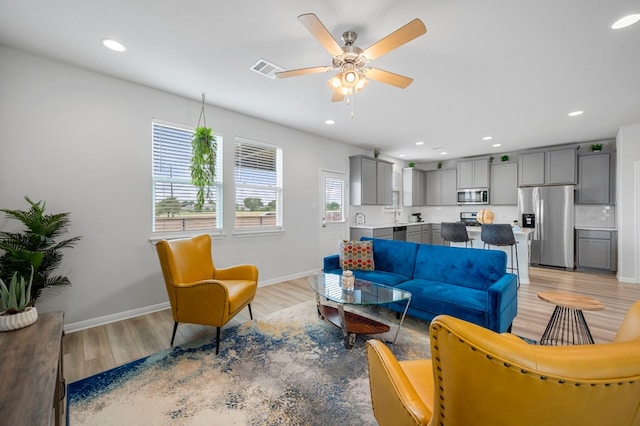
point(217, 235)
point(257, 232)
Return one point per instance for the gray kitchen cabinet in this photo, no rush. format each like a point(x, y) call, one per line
point(473, 173)
point(426, 234)
point(384, 182)
point(597, 249)
point(560, 166)
point(414, 233)
point(371, 181)
point(594, 181)
point(382, 233)
point(552, 167)
point(531, 169)
point(504, 184)
point(441, 188)
point(413, 187)
point(435, 235)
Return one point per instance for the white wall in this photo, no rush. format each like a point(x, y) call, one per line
point(81, 141)
point(628, 203)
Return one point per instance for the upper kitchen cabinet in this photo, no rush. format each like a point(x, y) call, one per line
point(441, 188)
point(548, 167)
point(384, 183)
point(595, 182)
point(504, 184)
point(371, 181)
point(473, 173)
point(413, 187)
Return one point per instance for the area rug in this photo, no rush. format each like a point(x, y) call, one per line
point(289, 368)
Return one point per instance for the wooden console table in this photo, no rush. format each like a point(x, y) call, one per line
point(31, 381)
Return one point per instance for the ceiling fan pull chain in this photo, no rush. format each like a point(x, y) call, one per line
point(202, 117)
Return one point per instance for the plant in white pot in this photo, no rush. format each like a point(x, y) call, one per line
point(17, 307)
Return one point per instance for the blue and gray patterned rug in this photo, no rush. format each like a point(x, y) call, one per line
point(289, 368)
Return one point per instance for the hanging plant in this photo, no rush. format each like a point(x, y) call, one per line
point(203, 159)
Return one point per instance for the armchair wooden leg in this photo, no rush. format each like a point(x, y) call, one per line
point(217, 339)
point(175, 328)
point(250, 314)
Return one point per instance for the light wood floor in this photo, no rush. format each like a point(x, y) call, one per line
point(97, 349)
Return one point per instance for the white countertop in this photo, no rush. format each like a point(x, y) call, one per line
point(477, 229)
point(388, 225)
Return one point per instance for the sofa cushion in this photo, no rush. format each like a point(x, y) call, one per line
point(380, 277)
point(356, 255)
point(398, 257)
point(469, 267)
point(440, 298)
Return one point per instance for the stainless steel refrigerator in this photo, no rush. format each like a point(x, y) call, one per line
point(550, 211)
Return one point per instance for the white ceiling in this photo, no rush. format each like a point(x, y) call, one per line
point(509, 69)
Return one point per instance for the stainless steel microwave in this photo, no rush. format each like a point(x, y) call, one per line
point(473, 196)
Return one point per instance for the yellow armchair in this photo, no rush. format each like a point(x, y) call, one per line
point(200, 293)
point(479, 377)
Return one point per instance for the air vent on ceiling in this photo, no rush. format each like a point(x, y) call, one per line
point(266, 68)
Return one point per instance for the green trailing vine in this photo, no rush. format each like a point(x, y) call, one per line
point(203, 160)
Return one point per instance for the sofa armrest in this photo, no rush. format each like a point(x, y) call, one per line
point(503, 302)
point(331, 263)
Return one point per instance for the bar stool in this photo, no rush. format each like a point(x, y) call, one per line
point(455, 232)
point(501, 235)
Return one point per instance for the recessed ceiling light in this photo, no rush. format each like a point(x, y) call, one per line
point(330, 122)
point(626, 21)
point(443, 153)
point(420, 143)
point(575, 113)
point(113, 45)
point(496, 145)
point(487, 138)
point(401, 155)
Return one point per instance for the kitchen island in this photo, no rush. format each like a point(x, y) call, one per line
point(523, 238)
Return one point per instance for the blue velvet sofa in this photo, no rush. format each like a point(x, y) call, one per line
point(467, 283)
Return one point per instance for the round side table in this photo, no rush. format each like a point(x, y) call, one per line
point(567, 325)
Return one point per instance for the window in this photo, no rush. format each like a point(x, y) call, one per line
point(174, 195)
point(334, 200)
point(258, 176)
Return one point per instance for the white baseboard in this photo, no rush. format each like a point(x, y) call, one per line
point(107, 319)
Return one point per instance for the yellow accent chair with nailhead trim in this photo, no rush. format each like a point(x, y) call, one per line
point(478, 377)
point(200, 293)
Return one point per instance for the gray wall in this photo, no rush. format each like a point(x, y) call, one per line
point(81, 141)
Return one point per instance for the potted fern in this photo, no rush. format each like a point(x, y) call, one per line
point(17, 307)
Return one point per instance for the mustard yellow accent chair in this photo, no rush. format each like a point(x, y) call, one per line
point(479, 377)
point(199, 292)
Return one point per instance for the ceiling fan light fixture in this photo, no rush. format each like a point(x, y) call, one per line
point(335, 82)
point(362, 83)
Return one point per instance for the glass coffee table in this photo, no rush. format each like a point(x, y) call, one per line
point(329, 287)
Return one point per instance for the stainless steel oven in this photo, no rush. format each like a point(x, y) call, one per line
point(473, 196)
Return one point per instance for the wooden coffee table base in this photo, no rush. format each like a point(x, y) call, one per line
point(351, 323)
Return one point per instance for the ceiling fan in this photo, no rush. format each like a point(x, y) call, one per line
point(351, 61)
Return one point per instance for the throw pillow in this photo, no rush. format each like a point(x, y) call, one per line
point(356, 255)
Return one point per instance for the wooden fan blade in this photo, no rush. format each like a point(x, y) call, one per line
point(387, 77)
point(320, 32)
point(337, 96)
point(303, 71)
point(402, 35)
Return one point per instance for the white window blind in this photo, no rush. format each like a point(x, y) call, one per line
point(334, 200)
point(258, 178)
point(173, 193)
